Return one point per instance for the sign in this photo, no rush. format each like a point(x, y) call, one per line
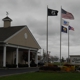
point(75, 59)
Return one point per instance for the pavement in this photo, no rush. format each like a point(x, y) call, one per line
point(9, 71)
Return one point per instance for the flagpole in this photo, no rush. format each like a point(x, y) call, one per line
point(60, 35)
point(68, 43)
point(47, 36)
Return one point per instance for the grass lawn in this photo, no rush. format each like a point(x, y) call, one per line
point(43, 76)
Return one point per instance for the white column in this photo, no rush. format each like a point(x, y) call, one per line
point(17, 57)
point(36, 58)
point(29, 58)
point(4, 56)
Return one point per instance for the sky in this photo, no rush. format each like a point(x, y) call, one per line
point(33, 13)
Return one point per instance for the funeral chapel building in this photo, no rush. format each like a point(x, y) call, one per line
point(16, 41)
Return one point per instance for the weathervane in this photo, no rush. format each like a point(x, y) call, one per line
point(7, 13)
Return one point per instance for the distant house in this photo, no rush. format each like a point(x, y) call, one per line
point(15, 41)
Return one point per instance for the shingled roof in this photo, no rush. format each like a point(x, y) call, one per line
point(7, 32)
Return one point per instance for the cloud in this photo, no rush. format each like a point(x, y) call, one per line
point(33, 13)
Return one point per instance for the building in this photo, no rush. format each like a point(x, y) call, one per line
point(15, 41)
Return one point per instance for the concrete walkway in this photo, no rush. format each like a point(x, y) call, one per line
point(6, 71)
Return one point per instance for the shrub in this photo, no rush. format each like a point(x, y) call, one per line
point(54, 68)
point(72, 68)
point(77, 67)
point(40, 64)
point(50, 64)
point(32, 64)
point(67, 64)
point(22, 65)
point(11, 65)
point(63, 68)
point(68, 67)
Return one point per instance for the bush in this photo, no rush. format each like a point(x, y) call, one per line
point(32, 64)
point(11, 65)
point(50, 64)
point(72, 68)
point(68, 64)
point(77, 67)
point(68, 67)
point(54, 68)
point(40, 64)
point(22, 65)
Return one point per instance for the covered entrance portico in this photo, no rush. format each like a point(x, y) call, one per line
point(13, 54)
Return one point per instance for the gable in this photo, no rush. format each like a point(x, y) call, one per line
point(7, 32)
point(24, 38)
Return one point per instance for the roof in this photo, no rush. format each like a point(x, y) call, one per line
point(7, 32)
point(7, 19)
point(74, 55)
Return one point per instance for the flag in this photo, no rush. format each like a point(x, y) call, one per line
point(52, 12)
point(64, 29)
point(66, 23)
point(66, 15)
point(71, 28)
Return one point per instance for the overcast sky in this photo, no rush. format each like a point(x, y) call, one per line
point(33, 13)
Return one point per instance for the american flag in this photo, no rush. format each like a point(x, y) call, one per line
point(66, 15)
point(71, 28)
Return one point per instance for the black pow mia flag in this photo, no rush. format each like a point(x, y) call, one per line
point(52, 12)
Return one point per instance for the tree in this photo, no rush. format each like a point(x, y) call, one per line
point(52, 58)
point(68, 60)
point(55, 58)
point(62, 60)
